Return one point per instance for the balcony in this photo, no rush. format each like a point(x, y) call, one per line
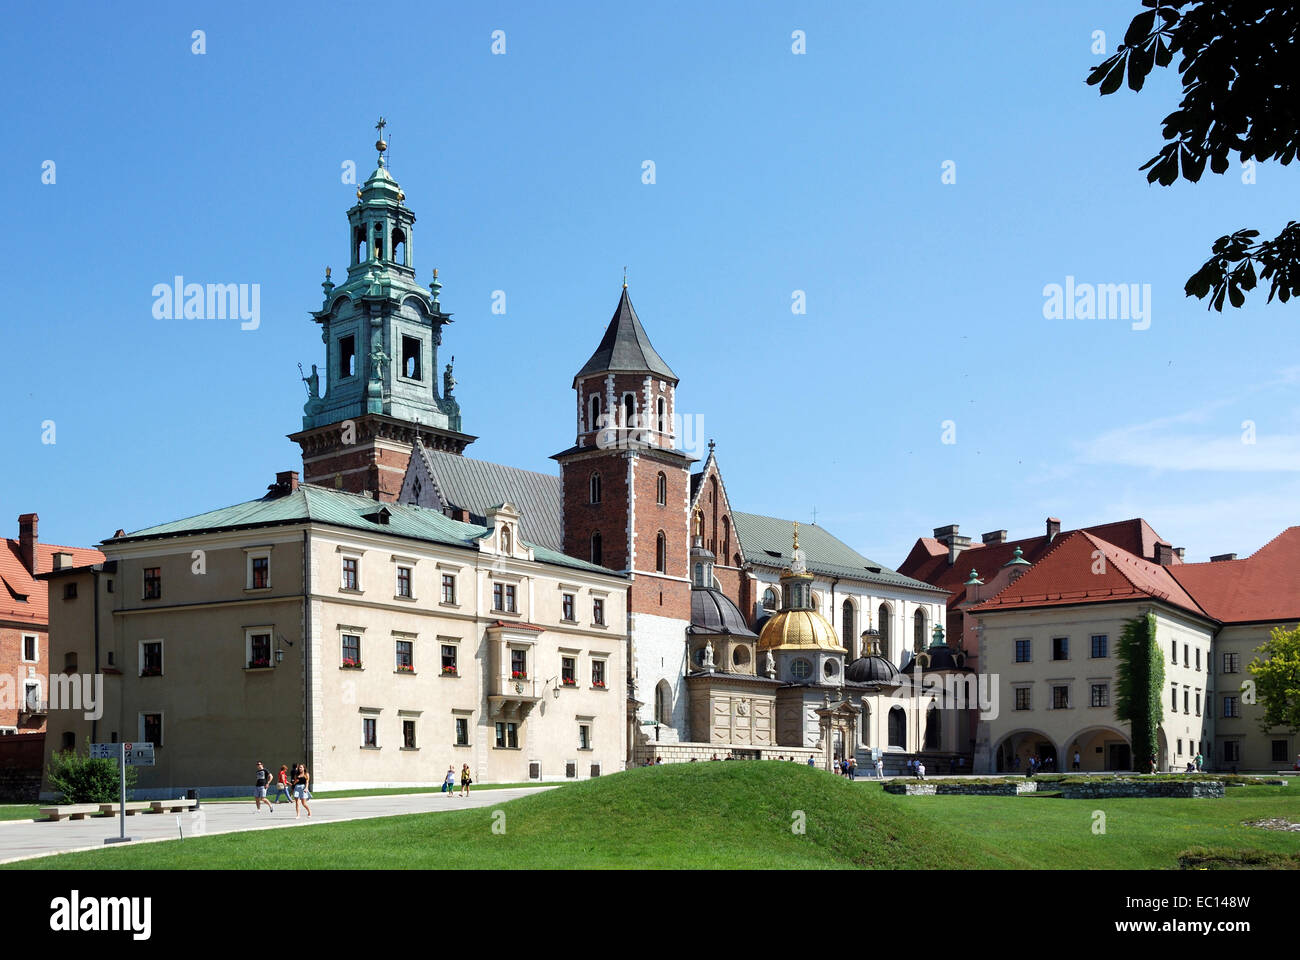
point(512, 698)
point(34, 710)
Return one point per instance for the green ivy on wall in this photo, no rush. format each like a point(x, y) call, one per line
point(1139, 687)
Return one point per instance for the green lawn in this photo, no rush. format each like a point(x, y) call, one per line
point(740, 815)
point(18, 811)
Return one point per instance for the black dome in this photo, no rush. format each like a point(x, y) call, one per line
point(871, 670)
point(712, 612)
point(941, 657)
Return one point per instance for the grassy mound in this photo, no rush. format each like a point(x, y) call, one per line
point(1228, 858)
point(701, 815)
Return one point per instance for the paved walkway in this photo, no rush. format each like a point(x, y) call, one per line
point(23, 839)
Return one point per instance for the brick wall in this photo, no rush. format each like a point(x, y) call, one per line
point(684, 752)
point(14, 671)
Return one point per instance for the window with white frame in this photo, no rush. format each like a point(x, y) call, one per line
point(404, 586)
point(598, 673)
point(449, 588)
point(257, 641)
point(598, 611)
point(370, 732)
point(584, 736)
point(31, 648)
point(405, 656)
point(258, 569)
point(351, 579)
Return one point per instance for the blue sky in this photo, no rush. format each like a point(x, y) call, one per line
point(774, 172)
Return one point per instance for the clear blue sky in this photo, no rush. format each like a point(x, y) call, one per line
point(775, 172)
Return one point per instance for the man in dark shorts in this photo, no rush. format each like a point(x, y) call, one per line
point(262, 781)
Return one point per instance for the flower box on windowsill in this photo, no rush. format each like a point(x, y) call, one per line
point(350, 665)
point(151, 672)
point(519, 675)
point(259, 664)
point(569, 682)
point(598, 684)
point(450, 672)
point(404, 669)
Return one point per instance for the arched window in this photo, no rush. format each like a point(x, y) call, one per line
point(399, 247)
point(885, 616)
point(596, 553)
point(726, 539)
point(918, 631)
point(664, 703)
point(379, 241)
point(769, 599)
point(817, 603)
point(864, 724)
point(358, 245)
point(663, 415)
point(847, 624)
point(932, 728)
point(661, 489)
point(629, 410)
point(740, 656)
point(593, 412)
point(699, 575)
point(661, 552)
point(897, 727)
point(595, 488)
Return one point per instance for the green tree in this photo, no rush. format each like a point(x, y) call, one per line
point(1240, 90)
point(1139, 686)
point(1277, 679)
point(80, 779)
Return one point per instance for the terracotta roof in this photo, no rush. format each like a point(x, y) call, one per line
point(22, 596)
point(928, 560)
point(515, 625)
point(1264, 586)
point(1072, 573)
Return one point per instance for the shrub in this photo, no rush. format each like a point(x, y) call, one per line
point(80, 779)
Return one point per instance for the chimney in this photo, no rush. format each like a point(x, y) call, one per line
point(1180, 553)
point(27, 540)
point(995, 536)
point(286, 482)
point(1223, 556)
point(1164, 553)
point(62, 560)
point(1053, 528)
point(955, 543)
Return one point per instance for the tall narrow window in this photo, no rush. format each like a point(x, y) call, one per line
point(846, 628)
point(918, 631)
point(411, 355)
point(399, 247)
point(663, 415)
point(883, 618)
point(347, 356)
point(661, 489)
point(593, 412)
point(595, 488)
point(597, 555)
point(379, 241)
point(661, 553)
point(629, 410)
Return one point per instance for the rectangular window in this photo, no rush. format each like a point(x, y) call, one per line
point(69, 591)
point(1024, 649)
point(510, 599)
point(1180, 747)
point(411, 358)
point(1060, 698)
point(403, 581)
point(405, 656)
point(1198, 658)
point(1232, 750)
point(1186, 701)
point(1100, 646)
point(151, 658)
point(568, 671)
point(498, 596)
point(350, 571)
point(369, 732)
point(519, 664)
point(1100, 695)
point(408, 734)
point(1230, 707)
point(30, 648)
point(598, 673)
point(259, 650)
point(462, 731)
point(598, 611)
point(347, 356)
point(351, 650)
point(1173, 652)
point(32, 695)
point(1060, 648)
point(261, 573)
point(1198, 703)
point(1187, 657)
point(567, 607)
point(1280, 751)
point(152, 583)
point(1023, 698)
point(507, 736)
point(584, 736)
point(1231, 662)
point(449, 659)
point(151, 728)
point(448, 588)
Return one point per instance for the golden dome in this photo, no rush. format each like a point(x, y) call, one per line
point(798, 630)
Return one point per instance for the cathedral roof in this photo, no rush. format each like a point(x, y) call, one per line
point(712, 612)
point(798, 630)
point(626, 348)
point(872, 669)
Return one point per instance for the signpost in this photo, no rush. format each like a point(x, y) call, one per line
point(127, 755)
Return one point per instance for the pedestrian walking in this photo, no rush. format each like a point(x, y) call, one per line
point(853, 768)
point(282, 785)
point(449, 781)
point(301, 780)
point(1076, 759)
point(920, 769)
point(1200, 759)
point(880, 768)
point(465, 779)
point(811, 761)
point(262, 781)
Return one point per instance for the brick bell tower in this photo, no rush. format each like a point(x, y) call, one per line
point(626, 493)
point(381, 332)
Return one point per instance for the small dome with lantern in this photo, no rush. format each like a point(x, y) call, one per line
point(797, 626)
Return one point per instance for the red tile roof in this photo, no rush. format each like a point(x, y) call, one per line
point(1083, 568)
point(22, 596)
point(928, 560)
point(1264, 586)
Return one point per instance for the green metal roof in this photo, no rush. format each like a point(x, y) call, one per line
point(334, 507)
point(767, 542)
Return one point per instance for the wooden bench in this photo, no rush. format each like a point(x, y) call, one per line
point(172, 806)
point(112, 809)
point(73, 811)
